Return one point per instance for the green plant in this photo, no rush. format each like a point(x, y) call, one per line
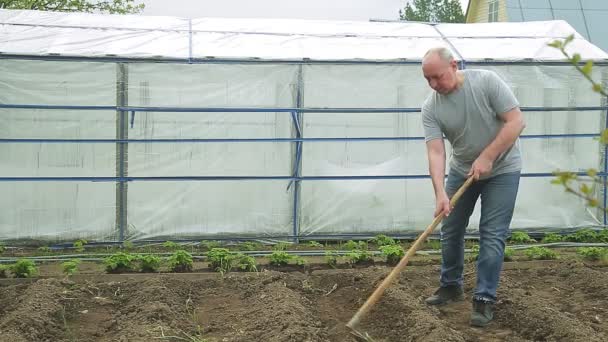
point(149, 262)
point(383, 240)
point(299, 261)
point(246, 263)
point(220, 259)
point(392, 253)
point(593, 253)
point(120, 262)
point(352, 245)
point(209, 245)
point(552, 237)
point(281, 246)
point(474, 253)
point(70, 267)
point(358, 256)
point(520, 237)
point(314, 244)
point(128, 245)
point(249, 246)
point(79, 245)
point(24, 268)
point(541, 253)
point(2, 248)
point(3, 270)
point(280, 258)
point(602, 236)
point(170, 245)
point(180, 261)
point(583, 187)
point(331, 258)
point(44, 249)
point(434, 244)
point(583, 235)
point(508, 255)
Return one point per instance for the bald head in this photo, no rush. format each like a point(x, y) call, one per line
point(440, 53)
point(440, 70)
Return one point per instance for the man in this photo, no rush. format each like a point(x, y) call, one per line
point(480, 117)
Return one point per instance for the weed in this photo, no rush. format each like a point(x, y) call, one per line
point(552, 237)
point(149, 262)
point(383, 240)
point(521, 237)
point(70, 267)
point(120, 262)
point(583, 235)
point(508, 255)
point(314, 244)
point(593, 253)
point(128, 245)
point(24, 268)
point(3, 270)
point(358, 256)
point(180, 261)
point(280, 258)
point(331, 258)
point(79, 245)
point(2, 249)
point(541, 253)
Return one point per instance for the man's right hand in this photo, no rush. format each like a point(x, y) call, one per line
point(442, 205)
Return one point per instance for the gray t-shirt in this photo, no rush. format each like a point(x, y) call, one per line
point(469, 119)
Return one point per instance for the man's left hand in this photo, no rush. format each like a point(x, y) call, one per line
point(481, 167)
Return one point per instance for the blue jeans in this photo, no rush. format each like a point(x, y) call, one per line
point(498, 195)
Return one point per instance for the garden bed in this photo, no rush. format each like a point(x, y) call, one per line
point(563, 300)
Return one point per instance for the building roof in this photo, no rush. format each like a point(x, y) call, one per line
point(36, 33)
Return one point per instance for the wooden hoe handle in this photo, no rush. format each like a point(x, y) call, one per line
point(401, 265)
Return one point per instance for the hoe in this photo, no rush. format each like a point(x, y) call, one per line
point(352, 324)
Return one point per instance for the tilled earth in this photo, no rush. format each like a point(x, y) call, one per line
point(538, 301)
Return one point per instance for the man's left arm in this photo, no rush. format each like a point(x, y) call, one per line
point(506, 106)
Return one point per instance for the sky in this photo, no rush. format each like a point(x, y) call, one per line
point(358, 10)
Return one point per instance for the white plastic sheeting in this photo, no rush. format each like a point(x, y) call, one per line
point(262, 208)
point(131, 36)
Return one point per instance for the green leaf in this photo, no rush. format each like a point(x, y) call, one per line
point(592, 172)
point(575, 58)
point(604, 137)
point(592, 202)
point(587, 68)
point(569, 39)
point(597, 87)
point(556, 44)
point(585, 189)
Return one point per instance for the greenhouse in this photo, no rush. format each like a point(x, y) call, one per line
point(141, 128)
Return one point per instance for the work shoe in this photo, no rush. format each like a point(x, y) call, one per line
point(445, 295)
point(483, 313)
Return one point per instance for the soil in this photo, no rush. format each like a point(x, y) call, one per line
point(538, 301)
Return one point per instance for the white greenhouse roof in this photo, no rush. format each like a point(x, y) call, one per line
point(36, 33)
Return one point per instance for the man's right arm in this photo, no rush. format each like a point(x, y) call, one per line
point(436, 156)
